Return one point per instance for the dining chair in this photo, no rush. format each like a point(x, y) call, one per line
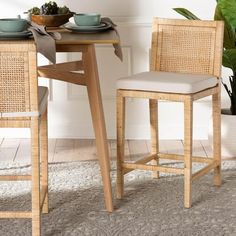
point(23, 104)
point(185, 66)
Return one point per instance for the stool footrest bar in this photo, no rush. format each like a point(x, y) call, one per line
point(181, 158)
point(15, 214)
point(133, 166)
point(204, 170)
point(15, 177)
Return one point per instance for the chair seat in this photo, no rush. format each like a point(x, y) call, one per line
point(169, 82)
point(42, 99)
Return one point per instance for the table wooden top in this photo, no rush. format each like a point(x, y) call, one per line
point(105, 37)
point(68, 37)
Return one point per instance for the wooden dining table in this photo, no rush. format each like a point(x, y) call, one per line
point(85, 72)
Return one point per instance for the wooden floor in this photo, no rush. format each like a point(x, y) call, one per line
point(62, 150)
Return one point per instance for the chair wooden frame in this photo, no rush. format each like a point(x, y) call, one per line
point(214, 163)
point(29, 118)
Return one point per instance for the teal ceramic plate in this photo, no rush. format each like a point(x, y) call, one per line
point(101, 25)
point(15, 35)
point(87, 29)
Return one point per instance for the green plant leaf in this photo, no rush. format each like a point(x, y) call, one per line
point(227, 89)
point(186, 13)
point(229, 58)
point(228, 9)
point(229, 33)
point(225, 10)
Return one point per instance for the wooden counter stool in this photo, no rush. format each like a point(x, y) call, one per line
point(185, 66)
point(24, 105)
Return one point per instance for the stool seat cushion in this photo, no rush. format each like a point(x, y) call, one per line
point(168, 82)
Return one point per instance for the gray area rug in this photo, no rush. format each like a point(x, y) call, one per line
point(150, 207)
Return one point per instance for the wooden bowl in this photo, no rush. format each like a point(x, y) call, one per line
point(51, 20)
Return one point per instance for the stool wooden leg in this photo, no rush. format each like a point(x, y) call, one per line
point(153, 106)
point(120, 143)
point(35, 169)
point(188, 126)
point(217, 137)
point(44, 157)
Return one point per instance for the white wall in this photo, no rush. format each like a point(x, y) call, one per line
point(69, 114)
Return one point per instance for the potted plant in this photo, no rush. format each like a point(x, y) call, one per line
point(225, 10)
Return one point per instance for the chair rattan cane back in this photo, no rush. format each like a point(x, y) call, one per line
point(185, 66)
point(24, 105)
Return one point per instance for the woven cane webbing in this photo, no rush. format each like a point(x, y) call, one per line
point(14, 82)
point(186, 49)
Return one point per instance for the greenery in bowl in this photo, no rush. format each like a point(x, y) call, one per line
point(49, 8)
point(50, 14)
point(225, 10)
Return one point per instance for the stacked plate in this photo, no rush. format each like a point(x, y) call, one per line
point(88, 29)
point(14, 28)
point(15, 35)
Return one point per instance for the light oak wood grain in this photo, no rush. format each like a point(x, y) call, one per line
point(174, 50)
point(84, 43)
point(23, 99)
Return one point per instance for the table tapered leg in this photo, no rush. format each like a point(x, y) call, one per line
point(95, 100)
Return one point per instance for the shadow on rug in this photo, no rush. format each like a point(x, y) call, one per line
point(150, 207)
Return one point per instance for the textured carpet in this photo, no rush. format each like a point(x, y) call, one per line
point(150, 207)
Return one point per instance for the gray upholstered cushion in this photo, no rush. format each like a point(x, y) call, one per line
point(167, 82)
point(42, 98)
